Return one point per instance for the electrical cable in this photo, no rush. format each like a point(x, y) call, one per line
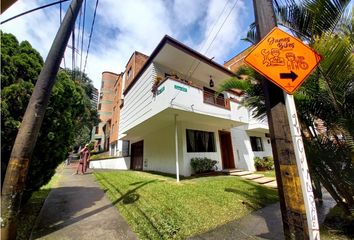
point(215, 36)
point(82, 38)
point(221, 13)
point(32, 10)
point(89, 43)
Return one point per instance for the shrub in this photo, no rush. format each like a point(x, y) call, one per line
point(265, 163)
point(202, 165)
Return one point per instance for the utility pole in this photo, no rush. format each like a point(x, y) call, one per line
point(26, 138)
point(287, 175)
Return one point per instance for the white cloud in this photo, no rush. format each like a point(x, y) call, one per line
point(122, 27)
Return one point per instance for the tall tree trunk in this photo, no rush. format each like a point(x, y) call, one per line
point(27, 135)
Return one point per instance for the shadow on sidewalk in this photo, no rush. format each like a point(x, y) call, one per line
point(71, 208)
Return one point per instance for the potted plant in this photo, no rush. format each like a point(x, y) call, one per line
point(155, 85)
point(263, 164)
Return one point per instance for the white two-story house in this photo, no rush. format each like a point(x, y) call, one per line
point(171, 114)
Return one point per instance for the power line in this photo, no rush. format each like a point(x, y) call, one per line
point(223, 10)
point(215, 36)
point(82, 38)
point(221, 26)
point(89, 43)
point(32, 10)
point(221, 13)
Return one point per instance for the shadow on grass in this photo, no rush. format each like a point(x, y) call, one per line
point(131, 197)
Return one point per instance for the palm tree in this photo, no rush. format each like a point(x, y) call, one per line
point(328, 94)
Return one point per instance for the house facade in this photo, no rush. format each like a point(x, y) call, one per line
point(170, 113)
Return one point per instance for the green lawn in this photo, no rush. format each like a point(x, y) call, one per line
point(157, 207)
point(31, 209)
point(270, 173)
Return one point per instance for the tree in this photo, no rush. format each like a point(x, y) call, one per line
point(68, 111)
point(327, 94)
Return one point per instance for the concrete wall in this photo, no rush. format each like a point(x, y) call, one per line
point(243, 150)
point(159, 151)
point(122, 163)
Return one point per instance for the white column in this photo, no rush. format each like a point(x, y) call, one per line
point(302, 167)
point(176, 142)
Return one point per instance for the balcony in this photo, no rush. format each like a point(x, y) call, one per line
point(187, 96)
point(210, 97)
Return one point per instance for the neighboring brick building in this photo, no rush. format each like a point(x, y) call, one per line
point(105, 108)
point(115, 114)
point(135, 63)
point(133, 66)
point(237, 61)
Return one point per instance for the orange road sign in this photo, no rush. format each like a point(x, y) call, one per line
point(283, 59)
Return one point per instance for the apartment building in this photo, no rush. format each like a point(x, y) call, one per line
point(105, 106)
point(169, 113)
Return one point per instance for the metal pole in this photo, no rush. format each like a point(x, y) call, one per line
point(176, 142)
point(302, 167)
point(290, 194)
point(26, 138)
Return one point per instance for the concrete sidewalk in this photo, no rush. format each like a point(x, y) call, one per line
point(265, 223)
point(78, 209)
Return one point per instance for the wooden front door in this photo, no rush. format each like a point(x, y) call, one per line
point(227, 154)
point(137, 156)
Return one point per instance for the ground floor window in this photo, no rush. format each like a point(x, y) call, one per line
point(125, 148)
point(256, 143)
point(200, 141)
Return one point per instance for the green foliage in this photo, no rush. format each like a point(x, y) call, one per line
point(202, 165)
point(249, 81)
point(332, 164)
point(158, 208)
point(69, 111)
point(339, 220)
point(327, 94)
point(265, 163)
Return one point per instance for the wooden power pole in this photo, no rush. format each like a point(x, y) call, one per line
point(290, 193)
point(26, 138)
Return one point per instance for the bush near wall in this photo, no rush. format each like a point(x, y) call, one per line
point(202, 165)
point(263, 164)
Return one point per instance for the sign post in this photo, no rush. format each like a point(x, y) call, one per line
point(302, 167)
point(287, 62)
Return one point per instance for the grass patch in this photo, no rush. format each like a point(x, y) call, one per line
point(157, 207)
point(270, 173)
point(31, 209)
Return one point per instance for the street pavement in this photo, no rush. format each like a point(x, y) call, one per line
point(78, 209)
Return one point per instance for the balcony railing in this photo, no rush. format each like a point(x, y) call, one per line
point(215, 100)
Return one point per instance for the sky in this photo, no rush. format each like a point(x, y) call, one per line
point(212, 27)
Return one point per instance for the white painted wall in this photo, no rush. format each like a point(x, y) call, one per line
point(137, 102)
point(159, 151)
point(187, 156)
point(243, 150)
point(122, 163)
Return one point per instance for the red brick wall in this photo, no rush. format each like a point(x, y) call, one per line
point(136, 62)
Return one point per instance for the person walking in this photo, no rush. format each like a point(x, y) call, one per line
point(84, 157)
